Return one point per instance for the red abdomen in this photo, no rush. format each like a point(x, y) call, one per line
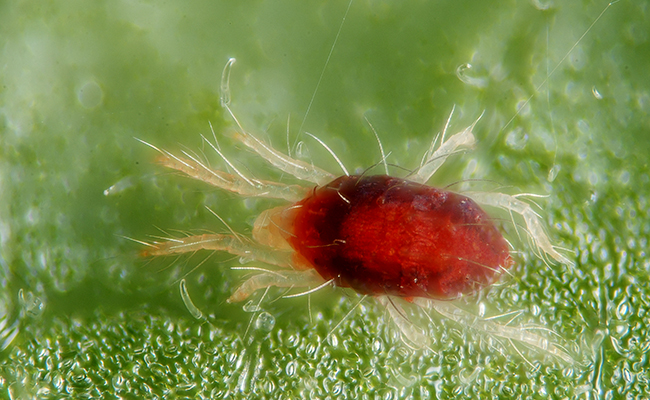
point(385, 235)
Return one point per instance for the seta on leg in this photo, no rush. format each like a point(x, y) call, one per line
point(240, 246)
point(237, 183)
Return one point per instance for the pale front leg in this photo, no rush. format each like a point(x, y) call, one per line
point(534, 225)
point(240, 184)
point(292, 279)
point(237, 245)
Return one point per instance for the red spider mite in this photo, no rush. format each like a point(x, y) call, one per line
point(385, 235)
point(382, 236)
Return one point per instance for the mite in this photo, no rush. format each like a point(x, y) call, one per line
point(383, 236)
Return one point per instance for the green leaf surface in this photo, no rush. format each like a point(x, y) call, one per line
point(566, 100)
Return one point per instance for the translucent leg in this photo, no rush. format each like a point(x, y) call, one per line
point(240, 246)
point(240, 184)
point(275, 278)
point(434, 159)
point(297, 168)
point(408, 329)
point(520, 334)
point(533, 224)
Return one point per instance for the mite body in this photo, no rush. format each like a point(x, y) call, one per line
point(384, 235)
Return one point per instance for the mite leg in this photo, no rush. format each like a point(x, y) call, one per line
point(534, 225)
point(408, 329)
point(520, 334)
point(236, 245)
point(275, 278)
point(434, 159)
point(297, 168)
point(237, 183)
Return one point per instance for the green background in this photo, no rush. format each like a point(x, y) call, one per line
point(81, 315)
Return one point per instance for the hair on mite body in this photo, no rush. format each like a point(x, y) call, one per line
point(390, 238)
